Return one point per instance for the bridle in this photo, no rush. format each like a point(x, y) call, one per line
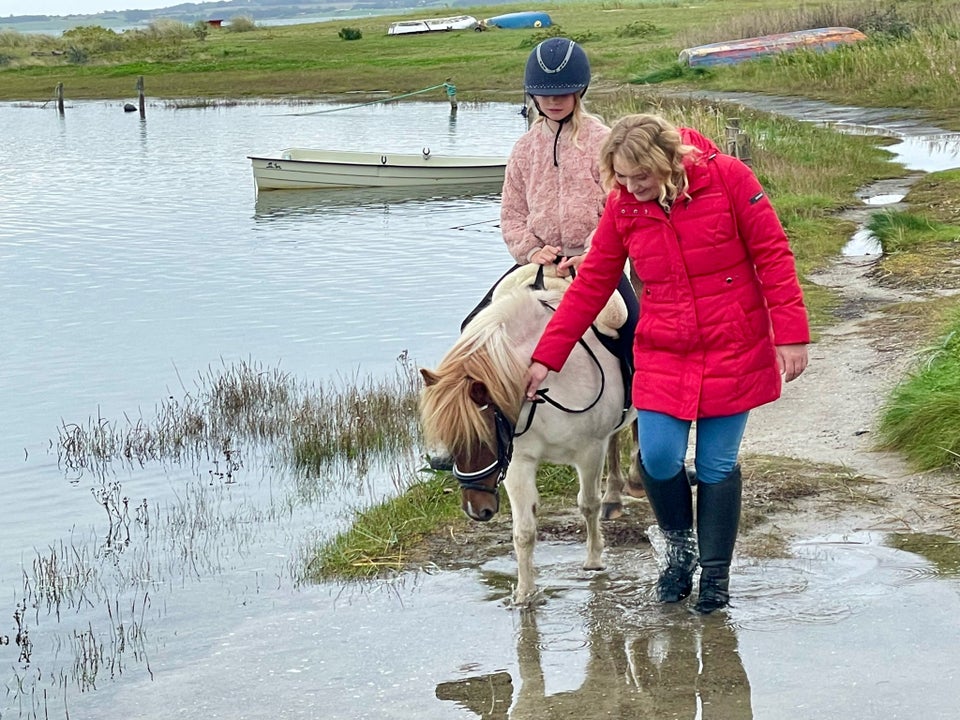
point(505, 433)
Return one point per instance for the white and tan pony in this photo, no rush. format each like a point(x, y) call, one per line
point(473, 406)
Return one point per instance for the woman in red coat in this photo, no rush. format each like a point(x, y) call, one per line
point(721, 319)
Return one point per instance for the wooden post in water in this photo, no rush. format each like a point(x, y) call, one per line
point(143, 107)
point(738, 144)
point(59, 94)
point(451, 95)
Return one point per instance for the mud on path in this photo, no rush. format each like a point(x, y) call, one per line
point(811, 467)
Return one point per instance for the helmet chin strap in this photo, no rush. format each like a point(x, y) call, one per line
point(556, 138)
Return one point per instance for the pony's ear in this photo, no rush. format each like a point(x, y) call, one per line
point(429, 377)
point(479, 393)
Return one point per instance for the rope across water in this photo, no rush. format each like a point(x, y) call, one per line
point(381, 100)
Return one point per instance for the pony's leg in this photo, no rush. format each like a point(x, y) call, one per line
point(521, 484)
point(612, 506)
point(634, 477)
point(634, 485)
point(590, 470)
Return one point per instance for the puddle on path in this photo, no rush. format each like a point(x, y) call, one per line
point(856, 626)
point(833, 632)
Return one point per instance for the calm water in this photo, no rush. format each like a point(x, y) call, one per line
point(135, 257)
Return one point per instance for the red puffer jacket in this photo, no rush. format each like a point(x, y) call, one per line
point(719, 291)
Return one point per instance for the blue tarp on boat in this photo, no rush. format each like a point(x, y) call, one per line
point(527, 19)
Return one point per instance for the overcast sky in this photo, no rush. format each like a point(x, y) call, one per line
point(77, 7)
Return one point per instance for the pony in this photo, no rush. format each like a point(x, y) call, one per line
point(473, 405)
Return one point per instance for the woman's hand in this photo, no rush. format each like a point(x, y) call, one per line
point(792, 360)
point(573, 262)
point(535, 376)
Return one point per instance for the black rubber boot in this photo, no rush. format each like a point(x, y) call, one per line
point(718, 519)
point(672, 503)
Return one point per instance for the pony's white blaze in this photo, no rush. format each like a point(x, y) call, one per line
point(495, 349)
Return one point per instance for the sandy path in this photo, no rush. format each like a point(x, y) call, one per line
point(829, 414)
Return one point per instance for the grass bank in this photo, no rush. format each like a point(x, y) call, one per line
point(909, 60)
point(921, 417)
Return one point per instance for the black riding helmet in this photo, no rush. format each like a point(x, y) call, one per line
point(557, 66)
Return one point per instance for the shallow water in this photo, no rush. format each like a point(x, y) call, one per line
point(848, 628)
point(135, 257)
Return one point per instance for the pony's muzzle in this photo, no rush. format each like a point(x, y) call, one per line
point(480, 504)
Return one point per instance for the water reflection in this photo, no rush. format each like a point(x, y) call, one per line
point(292, 203)
point(794, 642)
point(614, 662)
point(863, 242)
point(883, 199)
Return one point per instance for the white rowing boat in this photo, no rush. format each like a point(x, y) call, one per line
point(407, 27)
point(305, 168)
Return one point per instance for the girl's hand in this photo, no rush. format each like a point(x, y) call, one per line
point(535, 376)
point(792, 360)
point(546, 255)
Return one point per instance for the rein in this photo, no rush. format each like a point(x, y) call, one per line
point(544, 398)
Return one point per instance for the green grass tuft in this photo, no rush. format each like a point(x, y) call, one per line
point(381, 537)
point(921, 419)
point(903, 231)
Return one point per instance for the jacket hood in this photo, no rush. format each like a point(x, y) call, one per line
point(699, 141)
point(698, 176)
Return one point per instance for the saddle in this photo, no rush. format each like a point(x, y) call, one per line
point(608, 322)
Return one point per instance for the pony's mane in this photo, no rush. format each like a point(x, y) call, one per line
point(487, 353)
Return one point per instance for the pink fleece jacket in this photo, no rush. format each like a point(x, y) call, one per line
point(547, 204)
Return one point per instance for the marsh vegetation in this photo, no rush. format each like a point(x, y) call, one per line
point(305, 424)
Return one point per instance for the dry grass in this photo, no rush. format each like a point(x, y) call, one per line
point(308, 424)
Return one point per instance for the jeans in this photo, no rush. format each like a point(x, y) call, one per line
point(664, 438)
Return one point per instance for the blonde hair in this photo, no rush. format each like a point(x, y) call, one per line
point(648, 144)
point(575, 122)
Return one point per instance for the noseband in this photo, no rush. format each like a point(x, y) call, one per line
point(505, 433)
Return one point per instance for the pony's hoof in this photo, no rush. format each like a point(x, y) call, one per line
point(634, 490)
point(528, 601)
point(611, 511)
